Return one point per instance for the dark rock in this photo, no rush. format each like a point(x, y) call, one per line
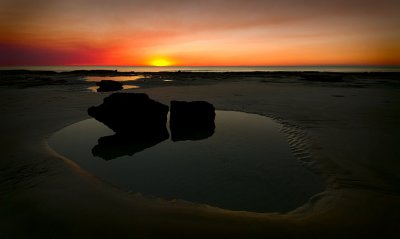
point(118, 145)
point(317, 77)
point(108, 85)
point(128, 113)
point(191, 120)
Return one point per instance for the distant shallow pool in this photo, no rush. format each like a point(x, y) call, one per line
point(114, 78)
point(245, 165)
point(124, 87)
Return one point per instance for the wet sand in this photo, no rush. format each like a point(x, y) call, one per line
point(349, 127)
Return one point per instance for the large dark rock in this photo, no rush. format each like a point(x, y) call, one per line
point(191, 120)
point(118, 145)
point(108, 85)
point(127, 113)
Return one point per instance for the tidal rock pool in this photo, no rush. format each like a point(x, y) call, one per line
point(244, 164)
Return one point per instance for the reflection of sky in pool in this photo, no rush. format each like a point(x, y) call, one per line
point(114, 78)
point(245, 165)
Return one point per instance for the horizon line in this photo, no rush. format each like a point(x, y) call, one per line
point(328, 65)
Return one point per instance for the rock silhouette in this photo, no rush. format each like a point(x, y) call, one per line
point(131, 113)
point(191, 120)
point(118, 145)
point(108, 85)
point(140, 122)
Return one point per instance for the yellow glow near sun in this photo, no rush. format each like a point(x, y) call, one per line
point(160, 62)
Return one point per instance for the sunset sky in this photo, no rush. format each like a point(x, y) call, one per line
point(205, 33)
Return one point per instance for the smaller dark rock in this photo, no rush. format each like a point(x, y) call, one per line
point(108, 85)
point(191, 120)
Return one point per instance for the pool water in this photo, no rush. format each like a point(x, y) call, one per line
point(245, 164)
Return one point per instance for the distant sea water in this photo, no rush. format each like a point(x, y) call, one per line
point(212, 68)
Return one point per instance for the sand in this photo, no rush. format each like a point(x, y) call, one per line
point(350, 130)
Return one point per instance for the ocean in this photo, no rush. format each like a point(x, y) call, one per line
point(212, 68)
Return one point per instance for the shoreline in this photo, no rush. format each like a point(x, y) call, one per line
point(346, 134)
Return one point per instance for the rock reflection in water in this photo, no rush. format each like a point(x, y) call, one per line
point(118, 145)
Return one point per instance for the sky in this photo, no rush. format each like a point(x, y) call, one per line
point(200, 33)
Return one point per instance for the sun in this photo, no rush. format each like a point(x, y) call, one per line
point(160, 62)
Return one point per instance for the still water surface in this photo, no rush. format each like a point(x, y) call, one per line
point(246, 164)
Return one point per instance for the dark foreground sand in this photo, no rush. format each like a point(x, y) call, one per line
point(350, 127)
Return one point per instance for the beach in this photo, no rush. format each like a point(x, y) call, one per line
point(348, 123)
